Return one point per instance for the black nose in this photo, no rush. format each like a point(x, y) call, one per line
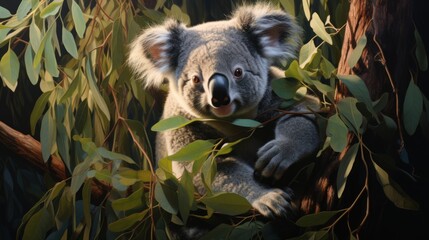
point(219, 89)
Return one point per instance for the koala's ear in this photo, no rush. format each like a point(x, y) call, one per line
point(154, 53)
point(274, 32)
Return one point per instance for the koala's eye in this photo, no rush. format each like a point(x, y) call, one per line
point(195, 79)
point(238, 72)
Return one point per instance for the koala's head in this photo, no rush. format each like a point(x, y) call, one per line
point(217, 69)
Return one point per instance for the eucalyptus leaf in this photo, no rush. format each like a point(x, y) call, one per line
point(48, 134)
point(346, 165)
point(127, 222)
point(23, 8)
point(393, 191)
point(117, 53)
point(78, 19)
point(69, 43)
point(421, 56)
point(39, 224)
point(95, 91)
point(221, 231)
point(51, 9)
point(319, 28)
point(350, 113)
point(307, 53)
point(306, 7)
point(317, 219)
point(171, 123)
point(38, 109)
point(51, 64)
point(193, 151)
point(166, 197)
point(413, 108)
point(32, 73)
point(9, 69)
point(4, 13)
point(249, 123)
point(357, 51)
point(114, 156)
point(134, 200)
point(227, 203)
point(285, 87)
point(185, 194)
point(79, 174)
point(359, 90)
point(35, 36)
point(337, 131)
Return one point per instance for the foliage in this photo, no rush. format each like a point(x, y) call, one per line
point(94, 115)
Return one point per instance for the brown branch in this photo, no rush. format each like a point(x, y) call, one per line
point(30, 149)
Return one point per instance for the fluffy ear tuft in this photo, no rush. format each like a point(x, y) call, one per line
point(274, 32)
point(153, 54)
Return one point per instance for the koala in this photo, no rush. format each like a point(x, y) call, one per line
point(223, 70)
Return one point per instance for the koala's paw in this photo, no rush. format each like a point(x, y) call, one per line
point(274, 158)
point(274, 203)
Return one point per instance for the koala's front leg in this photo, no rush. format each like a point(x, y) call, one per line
point(237, 177)
point(296, 137)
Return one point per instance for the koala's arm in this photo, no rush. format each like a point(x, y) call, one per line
point(296, 138)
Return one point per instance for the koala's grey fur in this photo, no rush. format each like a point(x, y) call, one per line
point(253, 40)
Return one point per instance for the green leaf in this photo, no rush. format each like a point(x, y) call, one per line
point(69, 43)
point(285, 87)
point(4, 13)
point(127, 222)
point(319, 28)
point(95, 91)
point(317, 219)
point(413, 108)
point(114, 156)
point(135, 200)
point(185, 194)
point(346, 165)
point(35, 36)
point(65, 206)
point(38, 109)
point(9, 69)
point(78, 19)
point(357, 51)
point(358, 88)
point(51, 9)
point(51, 64)
point(246, 230)
point(249, 123)
point(47, 135)
point(306, 54)
point(393, 191)
point(39, 224)
point(23, 9)
point(171, 123)
point(421, 56)
point(41, 48)
point(79, 174)
point(117, 47)
point(337, 131)
point(348, 110)
point(63, 144)
point(193, 151)
point(32, 73)
point(227, 203)
point(55, 191)
point(166, 197)
point(381, 103)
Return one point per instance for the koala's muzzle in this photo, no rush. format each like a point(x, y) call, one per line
point(219, 90)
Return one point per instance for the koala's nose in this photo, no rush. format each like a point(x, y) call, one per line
point(219, 89)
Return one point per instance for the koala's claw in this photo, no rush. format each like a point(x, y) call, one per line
point(275, 203)
point(273, 159)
